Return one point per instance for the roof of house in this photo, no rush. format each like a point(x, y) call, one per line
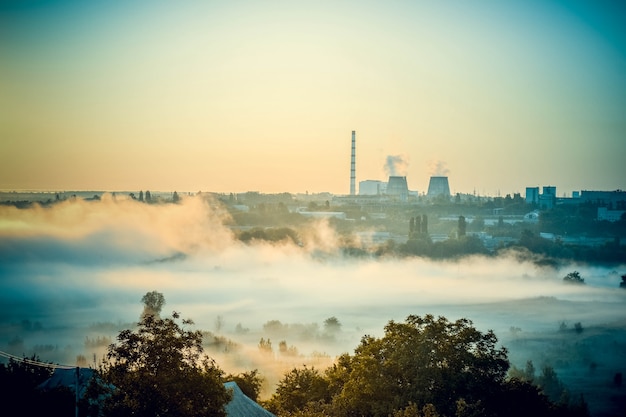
point(239, 406)
point(243, 406)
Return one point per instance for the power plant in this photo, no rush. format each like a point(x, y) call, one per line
point(438, 186)
point(396, 187)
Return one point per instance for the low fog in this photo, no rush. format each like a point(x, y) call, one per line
point(73, 275)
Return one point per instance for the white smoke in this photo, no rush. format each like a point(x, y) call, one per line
point(396, 165)
point(438, 168)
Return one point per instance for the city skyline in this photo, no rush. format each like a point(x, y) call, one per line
point(236, 97)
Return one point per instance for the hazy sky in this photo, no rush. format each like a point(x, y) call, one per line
point(238, 96)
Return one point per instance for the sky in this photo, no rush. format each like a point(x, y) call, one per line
point(263, 96)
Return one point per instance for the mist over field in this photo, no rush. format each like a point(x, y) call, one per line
point(72, 275)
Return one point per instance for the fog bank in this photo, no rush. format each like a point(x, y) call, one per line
point(78, 270)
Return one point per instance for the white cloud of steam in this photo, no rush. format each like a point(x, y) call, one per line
point(61, 267)
point(438, 168)
point(396, 165)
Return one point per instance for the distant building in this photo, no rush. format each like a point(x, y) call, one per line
point(610, 215)
point(372, 187)
point(398, 188)
point(438, 186)
point(321, 214)
point(532, 195)
point(610, 199)
point(547, 199)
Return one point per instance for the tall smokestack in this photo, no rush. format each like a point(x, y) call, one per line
point(353, 165)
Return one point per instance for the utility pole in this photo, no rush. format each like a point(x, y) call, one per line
point(77, 382)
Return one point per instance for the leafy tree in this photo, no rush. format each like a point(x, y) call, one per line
point(332, 325)
point(141, 196)
point(249, 382)
point(297, 389)
point(175, 197)
point(573, 278)
point(159, 370)
point(462, 227)
point(265, 346)
point(148, 197)
point(423, 361)
point(153, 303)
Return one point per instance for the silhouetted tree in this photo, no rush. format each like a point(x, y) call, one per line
point(574, 278)
point(297, 389)
point(159, 369)
point(175, 197)
point(249, 382)
point(153, 303)
point(462, 226)
point(265, 346)
point(140, 196)
point(148, 197)
point(423, 361)
point(332, 325)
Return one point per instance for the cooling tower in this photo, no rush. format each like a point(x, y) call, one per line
point(438, 186)
point(398, 187)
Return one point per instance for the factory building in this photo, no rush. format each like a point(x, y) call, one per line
point(372, 187)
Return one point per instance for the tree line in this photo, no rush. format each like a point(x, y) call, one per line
point(424, 366)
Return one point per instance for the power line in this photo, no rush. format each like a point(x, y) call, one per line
point(34, 362)
point(50, 366)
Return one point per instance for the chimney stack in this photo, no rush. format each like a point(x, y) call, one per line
point(353, 165)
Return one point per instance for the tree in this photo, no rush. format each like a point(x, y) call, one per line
point(462, 227)
point(175, 197)
point(265, 346)
point(159, 370)
point(423, 361)
point(141, 196)
point(297, 389)
point(573, 278)
point(249, 382)
point(332, 325)
point(153, 303)
point(148, 197)
point(418, 225)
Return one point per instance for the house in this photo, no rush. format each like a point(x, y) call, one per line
point(239, 406)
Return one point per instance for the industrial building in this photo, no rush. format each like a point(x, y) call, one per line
point(395, 189)
point(398, 189)
point(372, 187)
point(438, 186)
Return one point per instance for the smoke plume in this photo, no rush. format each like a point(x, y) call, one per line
point(396, 165)
point(438, 168)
